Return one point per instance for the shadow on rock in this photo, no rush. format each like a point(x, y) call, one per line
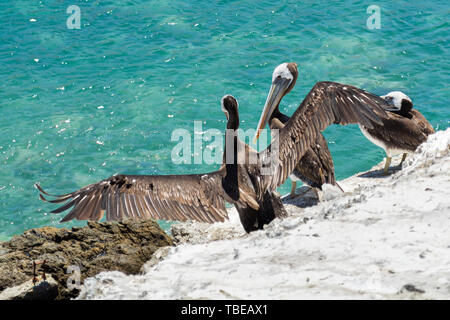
point(305, 197)
point(106, 246)
point(379, 173)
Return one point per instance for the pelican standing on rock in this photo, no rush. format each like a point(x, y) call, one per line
point(245, 183)
point(403, 129)
point(199, 197)
point(316, 166)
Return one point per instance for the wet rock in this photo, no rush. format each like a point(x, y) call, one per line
point(87, 251)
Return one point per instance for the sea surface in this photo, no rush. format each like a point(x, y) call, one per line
point(78, 105)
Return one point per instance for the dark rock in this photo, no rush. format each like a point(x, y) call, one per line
point(106, 246)
point(412, 288)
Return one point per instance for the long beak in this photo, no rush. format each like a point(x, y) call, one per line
point(276, 93)
point(395, 109)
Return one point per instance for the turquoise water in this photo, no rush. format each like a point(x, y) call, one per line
point(80, 105)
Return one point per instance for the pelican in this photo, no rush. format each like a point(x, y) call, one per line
point(316, 166)
point(403, 129)
point(246, 184)
point(199, 197)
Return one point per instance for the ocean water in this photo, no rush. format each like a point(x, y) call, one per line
point(78, 105)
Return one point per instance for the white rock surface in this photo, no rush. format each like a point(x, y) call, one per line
point(43, 290)
point(385, 237)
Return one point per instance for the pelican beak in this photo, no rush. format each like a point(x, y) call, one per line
point(276, 93)
point(392, 109)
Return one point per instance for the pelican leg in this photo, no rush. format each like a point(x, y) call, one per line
point(403, 159)
point(293, 188)
point(386, 166)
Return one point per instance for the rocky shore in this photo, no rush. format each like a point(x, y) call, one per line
point(386, 237)
point(98, 247)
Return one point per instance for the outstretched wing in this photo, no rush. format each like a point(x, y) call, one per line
point(197, 197)
point(325, 104)
point(316, 166)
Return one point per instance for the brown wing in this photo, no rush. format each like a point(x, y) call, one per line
point(316, 166)
point(324, 154)
point(401, 132)
point(425, 127)
point(325, 104)
point(197, 197)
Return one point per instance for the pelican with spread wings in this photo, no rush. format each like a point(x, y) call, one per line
point(315, 167)
point(240, 180)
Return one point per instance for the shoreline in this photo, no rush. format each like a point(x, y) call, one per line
point(379, 239)
point(386, 237)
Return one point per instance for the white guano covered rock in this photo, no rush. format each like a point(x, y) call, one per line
point(384, 238)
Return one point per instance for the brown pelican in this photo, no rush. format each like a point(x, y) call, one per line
point(316, 166)
point(245, 184)
point(199, 197)
point(403, 129)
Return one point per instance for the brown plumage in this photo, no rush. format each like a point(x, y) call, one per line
point(199, 197)
point(243, 183)
point(316, 166)
point(326, 103)
point(183, 197)
point(403, 129)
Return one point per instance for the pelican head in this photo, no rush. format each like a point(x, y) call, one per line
point(229, 105)
point(283, 80)
point(400, 101)
point(230, 108)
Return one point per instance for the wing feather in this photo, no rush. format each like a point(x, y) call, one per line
point(184, 197)
point(325, 104)
point(96, 209)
